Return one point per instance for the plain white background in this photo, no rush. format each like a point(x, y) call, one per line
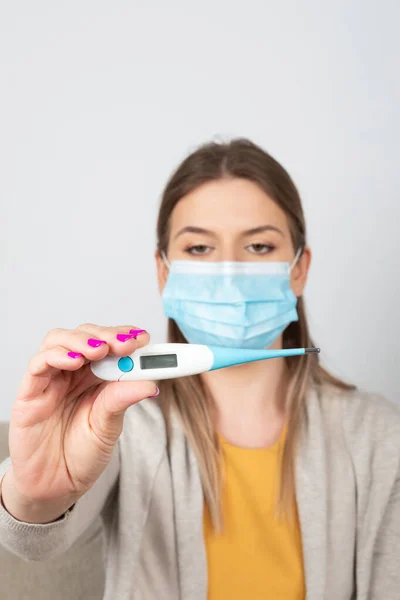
point(100, 101)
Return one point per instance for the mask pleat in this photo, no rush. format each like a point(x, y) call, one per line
point(230, 304)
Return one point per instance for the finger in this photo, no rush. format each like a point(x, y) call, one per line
point(43, 365)
point(106, 417)
point(93, 348)
point(57, 358)
point(122, 340)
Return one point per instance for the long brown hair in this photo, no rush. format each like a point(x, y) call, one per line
point(188, 396)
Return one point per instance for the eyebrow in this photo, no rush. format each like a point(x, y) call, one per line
point(261, 229)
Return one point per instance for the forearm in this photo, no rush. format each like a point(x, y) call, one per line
point(35, 541)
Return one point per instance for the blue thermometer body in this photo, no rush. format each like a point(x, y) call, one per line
point(167, 361)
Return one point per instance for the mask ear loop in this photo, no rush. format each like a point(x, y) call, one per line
point(296, 259)
point(165, 259)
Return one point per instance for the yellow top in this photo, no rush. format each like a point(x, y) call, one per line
point(257, 556)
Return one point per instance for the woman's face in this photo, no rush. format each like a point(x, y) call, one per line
point(231, 220)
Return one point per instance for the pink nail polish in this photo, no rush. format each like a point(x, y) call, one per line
point(156, 394)
point(124, 337)
point(75, 354)
point(95, 343)
point(136, 332)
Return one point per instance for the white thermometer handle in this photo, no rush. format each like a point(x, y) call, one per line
point(173, 360)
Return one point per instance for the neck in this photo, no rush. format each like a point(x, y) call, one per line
point(249, 400)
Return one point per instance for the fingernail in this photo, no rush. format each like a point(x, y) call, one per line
point(136, 332)
point(74, 354)
point(156, 394)
point(124, 337)
point(95, 343)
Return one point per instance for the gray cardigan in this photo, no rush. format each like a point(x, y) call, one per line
point(150, 500)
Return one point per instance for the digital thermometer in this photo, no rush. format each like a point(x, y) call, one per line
point(167, 361)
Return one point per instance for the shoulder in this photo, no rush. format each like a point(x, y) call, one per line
point(369, 422)
point(361, 409)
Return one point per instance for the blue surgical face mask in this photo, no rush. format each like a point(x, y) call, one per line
point(231, 304)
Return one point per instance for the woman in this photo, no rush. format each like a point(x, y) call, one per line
point(268, 480)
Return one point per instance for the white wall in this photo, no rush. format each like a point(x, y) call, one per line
point(100, 100)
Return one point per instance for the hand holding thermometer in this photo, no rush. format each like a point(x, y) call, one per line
point(167, 361)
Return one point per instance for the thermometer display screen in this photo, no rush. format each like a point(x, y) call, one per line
point(158, 361)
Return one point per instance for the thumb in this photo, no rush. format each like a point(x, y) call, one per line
point(108, 410)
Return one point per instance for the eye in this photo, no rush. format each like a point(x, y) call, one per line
point(260, 248)
point(199, 250)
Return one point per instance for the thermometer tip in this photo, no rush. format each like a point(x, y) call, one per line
point(313, 350)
